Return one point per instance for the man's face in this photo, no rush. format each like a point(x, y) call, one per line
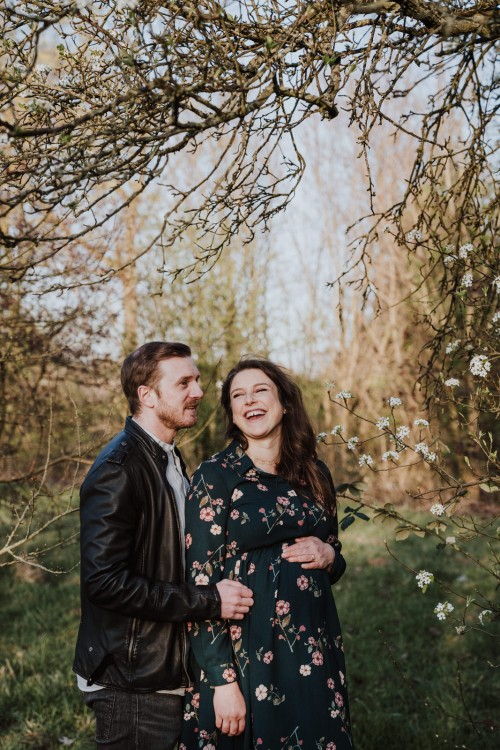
point(178, 393)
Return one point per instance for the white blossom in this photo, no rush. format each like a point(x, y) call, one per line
point(467, 279)
point(421, 423)
point(390, 454)
point(382, 423)
point(344, 394)
point(460, 629)
point(352, 442)
point(394, 401)
point(443, 609)
point(480, 365)
point(464, 250)
point(402, 432)
point(4, 138)
point(437, 509)
point(320, 437)
point(450, 540)
point(485, 615)
point(423, 450)
point(365, 460)
point(496, 318)
point(496, 283)
point(337, 429)
point(424, 578)
point(452, 382)
point(414, 235)
point(452, 346)
point(448, 260)
point(330, 385)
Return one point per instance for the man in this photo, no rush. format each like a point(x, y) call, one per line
point(131, 652)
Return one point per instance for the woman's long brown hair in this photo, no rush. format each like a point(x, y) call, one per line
point(298, 455)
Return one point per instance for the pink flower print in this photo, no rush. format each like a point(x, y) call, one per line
point(303, 583)
point(229, 675)
point(331, 746)
point(330, 683)
point(282, 607)
point(268, 657)
point(302, 628)
point(342, 678)
point(283, 501)
point(215, 529)
point(251, 568)
point(196, 565)
point(207, 514)
point(201, 579)
point(235, 631)
point(234, 514)
point(195, 700)
point(218, 501)
point(317, 658)
point(339, 700)
point(261, 692)
point(236, 495)
point(305, 670)
point(311, 641)
point(262, 487)
point(189, 540)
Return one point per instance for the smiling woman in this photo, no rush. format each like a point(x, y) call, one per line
point(262, 512)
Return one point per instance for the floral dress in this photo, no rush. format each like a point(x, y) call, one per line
point(287, 653)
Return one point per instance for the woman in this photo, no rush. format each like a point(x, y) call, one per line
point(262, 512)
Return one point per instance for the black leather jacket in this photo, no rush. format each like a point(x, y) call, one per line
point(133, 598)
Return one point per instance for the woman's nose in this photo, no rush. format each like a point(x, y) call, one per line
point(249, 398)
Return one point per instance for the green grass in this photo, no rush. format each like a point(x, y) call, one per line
point(414, 683)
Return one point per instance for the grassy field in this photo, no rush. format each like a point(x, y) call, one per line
point(414, 683)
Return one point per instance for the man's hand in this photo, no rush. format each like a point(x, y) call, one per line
point(311, 552)
point(229, 707)
point(236, 600)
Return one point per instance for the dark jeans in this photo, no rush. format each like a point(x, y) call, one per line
point(135, 721)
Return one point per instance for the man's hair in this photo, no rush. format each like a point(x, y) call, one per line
point(141, 368)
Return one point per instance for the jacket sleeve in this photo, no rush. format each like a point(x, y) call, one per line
point(207, 508)
point(339, 563)
point(110, 517)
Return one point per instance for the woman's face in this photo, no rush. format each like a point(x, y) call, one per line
point(255, 405)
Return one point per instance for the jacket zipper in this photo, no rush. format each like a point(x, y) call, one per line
point(132, 639)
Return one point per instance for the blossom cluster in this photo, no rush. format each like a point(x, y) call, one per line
point(424, 578)
point(480, 365)
point(423, 449)
point(443, 609)
point(437, 509)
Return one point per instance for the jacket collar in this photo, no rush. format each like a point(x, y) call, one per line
point(135, 430)
point(237, 459)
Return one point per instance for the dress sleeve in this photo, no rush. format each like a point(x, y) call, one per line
point(207, 508)
point(339, 564)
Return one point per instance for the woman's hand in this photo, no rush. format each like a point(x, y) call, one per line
point(230, 709)
point(311, 552)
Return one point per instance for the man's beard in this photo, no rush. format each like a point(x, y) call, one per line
point(174, 419)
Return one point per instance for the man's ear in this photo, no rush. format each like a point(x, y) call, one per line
point(146, 396)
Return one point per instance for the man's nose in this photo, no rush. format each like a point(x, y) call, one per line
point(197, 391)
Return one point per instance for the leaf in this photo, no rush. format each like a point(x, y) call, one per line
point(286, 621)
point(402, 533)
point(363, 516)
point(489, 487)
point(346, 522)
point(209, 569)
point(467, 461)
